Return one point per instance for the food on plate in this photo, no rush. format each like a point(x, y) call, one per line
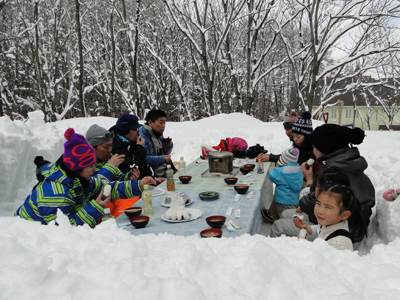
point(178, 213)
point(209, 194)
point(177, 198)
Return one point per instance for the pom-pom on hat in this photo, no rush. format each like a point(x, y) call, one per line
point(329, 138)
point(303, 125)
point(126, 122)
point(78, 154)
point(289, 156)
point(291, 118)
point(97, 135)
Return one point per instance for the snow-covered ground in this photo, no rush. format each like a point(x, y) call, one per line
point(65, 262)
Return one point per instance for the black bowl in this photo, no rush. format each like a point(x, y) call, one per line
point(212, 232)
point(241, 188)
point(133, 212)
point(209, 196)
point(185, 179)
point(139, 222)
point(245, 170)
point(216, 221)
point(231, 180)
point(252, 166)
point(166, 140)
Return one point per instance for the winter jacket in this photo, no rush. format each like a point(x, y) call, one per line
point(288, 180)
point(109, 172)
point(156, 150)
point(77, 201)
point(134, 154)
point(349, 160)
point(339, 242)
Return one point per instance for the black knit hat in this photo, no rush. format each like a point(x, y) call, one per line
point(303, 125)
point(329, 138)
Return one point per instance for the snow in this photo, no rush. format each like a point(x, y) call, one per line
point(66, 262)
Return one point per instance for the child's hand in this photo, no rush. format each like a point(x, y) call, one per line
point(299, 223)
point(298, 210)
point(104, 202)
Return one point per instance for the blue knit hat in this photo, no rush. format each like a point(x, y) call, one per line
point(127, 122)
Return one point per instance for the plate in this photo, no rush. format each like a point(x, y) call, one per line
point(209, 195)
point(195, 214)
point(170, 204)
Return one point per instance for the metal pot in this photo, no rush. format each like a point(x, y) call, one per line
point(220, 162)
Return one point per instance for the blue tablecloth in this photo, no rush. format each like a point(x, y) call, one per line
point(250, 217)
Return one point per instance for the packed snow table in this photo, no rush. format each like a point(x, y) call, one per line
point(261, 192)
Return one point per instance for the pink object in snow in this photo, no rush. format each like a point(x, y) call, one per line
point(390, 194)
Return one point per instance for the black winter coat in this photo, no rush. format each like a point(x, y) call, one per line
point(134, 154)
point(349, 160)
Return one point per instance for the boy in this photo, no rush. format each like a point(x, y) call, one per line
point(158, 149)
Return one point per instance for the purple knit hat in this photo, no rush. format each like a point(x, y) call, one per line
point(78, 154)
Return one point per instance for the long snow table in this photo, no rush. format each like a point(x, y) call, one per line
point(261, 191)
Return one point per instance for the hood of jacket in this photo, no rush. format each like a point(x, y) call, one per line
point(348, 159)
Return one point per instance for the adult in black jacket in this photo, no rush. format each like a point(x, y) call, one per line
point(127, 141)
point(331, 148)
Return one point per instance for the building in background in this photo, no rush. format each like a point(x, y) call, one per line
point(371, 107)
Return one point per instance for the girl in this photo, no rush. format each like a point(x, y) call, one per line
point(338, 212)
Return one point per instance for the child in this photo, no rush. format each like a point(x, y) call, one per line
point(69, 185)
point(339, 217)
point(158, 149)
point(288, 179)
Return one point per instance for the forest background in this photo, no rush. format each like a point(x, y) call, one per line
point(194, 59)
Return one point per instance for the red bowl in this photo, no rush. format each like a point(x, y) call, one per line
point(185, 179)
point(139, 222)
point(216, 221)
point(241, 188)
point(133, 211)
point(245, 170)
point(212, 232)
point(231, 180)
point(252, 166)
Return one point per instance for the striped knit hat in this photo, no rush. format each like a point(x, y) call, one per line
point(289, 156)
point(303, 125)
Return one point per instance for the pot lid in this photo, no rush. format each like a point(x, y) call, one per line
point(219, 154)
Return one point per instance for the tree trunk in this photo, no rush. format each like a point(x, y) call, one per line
point(80, 50)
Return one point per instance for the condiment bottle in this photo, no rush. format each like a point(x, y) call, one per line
point(147, 198)
point(169, 173)
point(182, 167)
point(260, 167)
